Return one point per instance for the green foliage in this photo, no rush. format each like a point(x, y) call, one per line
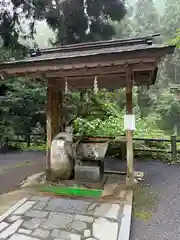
point(74, 24)
point(112, 124)
point(146, 18)
point(88, 105)
point(125, 28)
point(170, 24)
point(176, 40)
point(22, 102)
point(32, 147)
point(169, 110)
point(73, 21)
point(158, 3)
point(145, 101)
point(98, 128)
point(20, 107)
point(142, 19)
point(171, 18)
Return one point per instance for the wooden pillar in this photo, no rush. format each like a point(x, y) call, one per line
point(54, 111)
point(129, 133)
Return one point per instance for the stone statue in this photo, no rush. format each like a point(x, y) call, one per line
point(62, 156)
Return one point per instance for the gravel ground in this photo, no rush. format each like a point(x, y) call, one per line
point(164, 224)
point(15, 167)
point(163, 180)
point(16, 157)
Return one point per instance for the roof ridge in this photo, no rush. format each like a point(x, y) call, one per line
point(99, 44)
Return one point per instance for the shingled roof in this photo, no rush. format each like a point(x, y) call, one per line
point(105, 59)
point(93, 48)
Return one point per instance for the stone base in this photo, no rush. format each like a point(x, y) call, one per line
point(131, 182)
point(83, 183)
point(88, 171)
point(94, 185)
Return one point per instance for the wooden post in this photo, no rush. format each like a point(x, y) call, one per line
point(129, 133)
point(54, 107)
point(173, 149)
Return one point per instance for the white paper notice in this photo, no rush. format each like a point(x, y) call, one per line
point(129, 122)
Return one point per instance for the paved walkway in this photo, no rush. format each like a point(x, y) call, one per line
point(51, 218)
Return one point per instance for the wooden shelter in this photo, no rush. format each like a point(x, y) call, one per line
point(115, 64)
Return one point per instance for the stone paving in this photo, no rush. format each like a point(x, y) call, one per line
point(50, 218)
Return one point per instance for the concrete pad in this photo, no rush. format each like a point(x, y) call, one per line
point(75, 219)
point(8, 200)
point(11, 229)
point(104, 229)
point(124, 231)
point(13, 208)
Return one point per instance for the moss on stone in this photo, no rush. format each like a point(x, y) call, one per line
point(145, 202)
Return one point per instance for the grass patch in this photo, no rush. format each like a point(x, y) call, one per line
point(145, 201)
point(24, 147)
point(143, 215)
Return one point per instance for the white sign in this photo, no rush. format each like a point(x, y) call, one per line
point(129, 122)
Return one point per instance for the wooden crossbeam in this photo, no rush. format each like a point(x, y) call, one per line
point(107, 81)
point(79, 69)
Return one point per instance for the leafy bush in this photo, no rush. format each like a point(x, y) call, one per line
point(109, 127)
point(114, 126)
